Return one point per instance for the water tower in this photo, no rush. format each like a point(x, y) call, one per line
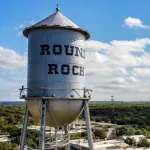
point(55, 92)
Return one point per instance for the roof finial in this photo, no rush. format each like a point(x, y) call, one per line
point(57, 8)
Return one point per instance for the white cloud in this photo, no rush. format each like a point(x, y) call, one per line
point(119, 71)
point(135, 23)
point(32, 22)
point(19, 33)
point(107, 70)
point(120, 53)
point(96, 57)
point(141, 72)
point(9, 59)
point(19, 28)
point(10, 89)
point(92, 45)
point(111, 69)
point(124, 80)
point(12, 73)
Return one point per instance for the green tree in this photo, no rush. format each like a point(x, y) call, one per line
point(138, 132)
point(125, 130)
point(130, 141)
point(8, 146)
point(143, 143)
point(100, 134)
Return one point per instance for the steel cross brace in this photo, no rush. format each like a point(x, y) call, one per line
point(43, 125)
point(24, 129)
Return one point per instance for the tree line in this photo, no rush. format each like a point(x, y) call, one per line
point(121, 114)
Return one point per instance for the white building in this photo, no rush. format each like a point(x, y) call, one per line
point(137, 138)
point(98, 145)
point(4, 138)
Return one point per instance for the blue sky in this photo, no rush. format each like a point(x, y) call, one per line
point(114, 24)
point(102, 19)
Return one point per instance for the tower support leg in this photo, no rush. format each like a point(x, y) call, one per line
point(56, 129)
point(67, 132)
point(88, 125)
point(24, 129)
point(43, 125)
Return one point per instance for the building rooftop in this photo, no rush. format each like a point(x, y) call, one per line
point(100, 144)
point(4, 138)
point(141, 148)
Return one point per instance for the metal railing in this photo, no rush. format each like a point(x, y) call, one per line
point(57, 93)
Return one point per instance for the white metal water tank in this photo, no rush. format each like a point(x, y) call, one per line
point(56, 69)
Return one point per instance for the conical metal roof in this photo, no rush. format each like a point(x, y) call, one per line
point(56, 20)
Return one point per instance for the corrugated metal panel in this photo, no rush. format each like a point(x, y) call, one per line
point(56, 20)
